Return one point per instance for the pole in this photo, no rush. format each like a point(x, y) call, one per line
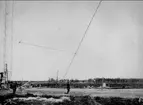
point(57, 74)
point(5, 38)
point(5, 46)
point(6, 69)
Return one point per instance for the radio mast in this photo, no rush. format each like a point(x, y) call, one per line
point(5, 66)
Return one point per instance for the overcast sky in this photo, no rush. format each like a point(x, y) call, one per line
point(113, 46)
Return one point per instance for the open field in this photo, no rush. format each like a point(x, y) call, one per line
point(130, 93)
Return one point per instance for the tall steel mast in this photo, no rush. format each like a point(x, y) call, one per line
point(5, 45)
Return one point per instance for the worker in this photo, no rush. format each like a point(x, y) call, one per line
point(1, 79)
point(140, 99)
point(1, 76)
point(68, 87)
point(14, 87)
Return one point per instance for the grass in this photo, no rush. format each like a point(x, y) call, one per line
point(80, 97)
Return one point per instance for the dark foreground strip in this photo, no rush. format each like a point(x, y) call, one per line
point(75, 100)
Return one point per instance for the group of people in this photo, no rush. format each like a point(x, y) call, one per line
point(14, 86)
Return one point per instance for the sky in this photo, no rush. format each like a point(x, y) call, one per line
point(112, 48)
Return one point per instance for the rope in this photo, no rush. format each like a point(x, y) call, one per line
point(45, 47)
point(82, 39)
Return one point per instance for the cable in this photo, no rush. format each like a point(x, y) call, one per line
point(49, 48)
point(82, 39)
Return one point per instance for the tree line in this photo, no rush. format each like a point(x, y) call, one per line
point(89, 83)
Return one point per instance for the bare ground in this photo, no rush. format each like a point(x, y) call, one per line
point(129, 93)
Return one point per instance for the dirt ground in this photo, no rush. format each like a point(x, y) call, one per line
point(129, 93)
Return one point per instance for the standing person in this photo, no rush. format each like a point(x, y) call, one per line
point(0, 79)
point(68, 86)
point(14, 86)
